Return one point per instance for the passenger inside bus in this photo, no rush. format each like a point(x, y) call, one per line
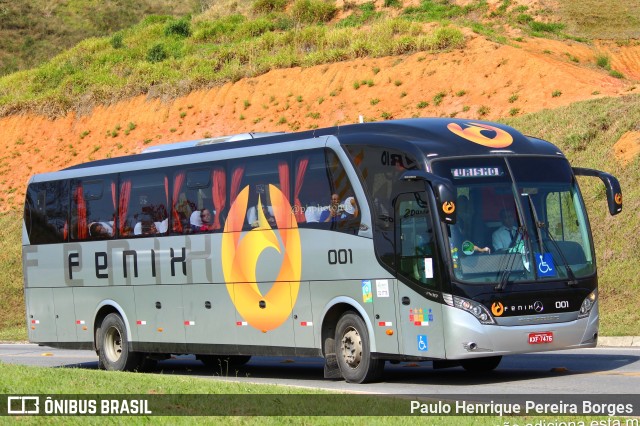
point(253, 219)
point(260, 199)
point(202, 221)
point(149, 227)
point(504, 237)
point(462, 231)
point(313, 211)
point(101, 230)
point(184, 209)
point(342, 216)
point(335, 212)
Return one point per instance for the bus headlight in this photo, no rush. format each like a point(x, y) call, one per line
point(474, 308)
point(587, 304)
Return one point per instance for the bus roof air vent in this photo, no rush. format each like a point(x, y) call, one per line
point(209, 141)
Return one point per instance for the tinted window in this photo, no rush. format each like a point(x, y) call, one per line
point(46, 212)
point(380, 169)
point(93, 208)
point(142, 208)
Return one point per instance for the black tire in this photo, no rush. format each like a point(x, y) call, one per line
point(481, 365)
point(114, 349)
point(353, 351)
point(222, 362)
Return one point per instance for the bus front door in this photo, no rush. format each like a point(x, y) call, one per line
point(419, 287)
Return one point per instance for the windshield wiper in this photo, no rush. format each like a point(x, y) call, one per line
point(536, 221)
point(513, 250)
point(519, 246)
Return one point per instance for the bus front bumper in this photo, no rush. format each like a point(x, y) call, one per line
point(466, 337)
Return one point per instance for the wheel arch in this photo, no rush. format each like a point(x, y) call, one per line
point(332, 313)
point(103, 309)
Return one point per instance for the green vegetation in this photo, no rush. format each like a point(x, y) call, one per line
point(166, 53)
point(12, 316)
point(437, 99)
point(598, 19)
point(33, 31)
point(361, 15)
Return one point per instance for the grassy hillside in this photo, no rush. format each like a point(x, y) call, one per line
point(165, 56)
point(33, 31)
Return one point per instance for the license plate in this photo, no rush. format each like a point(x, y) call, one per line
point(543, 337)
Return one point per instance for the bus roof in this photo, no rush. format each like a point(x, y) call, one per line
point(435, 137)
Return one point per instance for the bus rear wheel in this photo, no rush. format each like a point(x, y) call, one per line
point(114, 351)
point(353, 350)
point(481, 365)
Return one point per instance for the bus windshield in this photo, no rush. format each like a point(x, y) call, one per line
point(519, 220)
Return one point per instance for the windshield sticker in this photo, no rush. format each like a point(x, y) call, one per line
point(482, 134)
point(544, 263)
point(454, 256)
point(367, 297)
point(382, 288)
point(473, 172)
point(468, 248)
point(428, 267)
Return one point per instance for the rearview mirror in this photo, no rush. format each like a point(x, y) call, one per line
point(614, 192)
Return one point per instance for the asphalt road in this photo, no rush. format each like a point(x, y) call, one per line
point(587, 371)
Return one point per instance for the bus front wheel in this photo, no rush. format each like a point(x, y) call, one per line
point(353, 350)
point(114, 352)
point(481, 365)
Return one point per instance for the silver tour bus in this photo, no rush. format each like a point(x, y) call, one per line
point(445, 240)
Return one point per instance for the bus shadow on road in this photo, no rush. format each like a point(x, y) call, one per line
point(512, 369)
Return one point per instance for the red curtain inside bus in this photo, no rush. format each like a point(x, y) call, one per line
point(301, 169)
point(218, 192)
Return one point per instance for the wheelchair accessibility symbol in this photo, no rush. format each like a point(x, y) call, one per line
point(544, 263)
point(422, 343)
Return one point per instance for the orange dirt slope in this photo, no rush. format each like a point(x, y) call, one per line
point(483, 80)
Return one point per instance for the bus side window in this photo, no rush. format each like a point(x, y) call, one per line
point(143, 204)
point(46, 212)
point(311, 187)
point(93, 209)
point(348, 218)
point(199, 194)
point(261, 179)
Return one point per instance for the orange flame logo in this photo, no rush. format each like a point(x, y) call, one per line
point(448, 207)
point(618, 198)
point(497, 309)
point(474, 134)
point(240, 258)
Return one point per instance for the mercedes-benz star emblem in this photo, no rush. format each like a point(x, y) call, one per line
point(537, 305)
